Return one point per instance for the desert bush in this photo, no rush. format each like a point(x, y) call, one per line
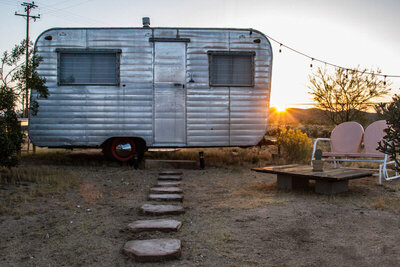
point(316, 130)
point(295, 145)
point(391, 141)
point(17, 78)
point(272, 131)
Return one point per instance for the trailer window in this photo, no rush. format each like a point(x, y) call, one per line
point(88, 68)
point(231, 68)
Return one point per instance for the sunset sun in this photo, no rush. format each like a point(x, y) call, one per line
point(280, 108)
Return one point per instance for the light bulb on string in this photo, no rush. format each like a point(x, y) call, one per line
point(384, 80)
point(280, 48)
point(347, 73)
point(312, 59)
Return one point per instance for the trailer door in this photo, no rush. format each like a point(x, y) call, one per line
point(169, 93)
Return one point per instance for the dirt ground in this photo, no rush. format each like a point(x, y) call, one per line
point(234, 217)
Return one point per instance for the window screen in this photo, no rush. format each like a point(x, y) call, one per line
point(231, 68)
point(88, 68)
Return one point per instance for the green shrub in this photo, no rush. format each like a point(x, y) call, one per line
point(295, 145)
point(10, 130)
point(391, 141)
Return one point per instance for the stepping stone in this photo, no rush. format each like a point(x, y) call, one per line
point(166, 190)
point(167, 184)
point(161, 209)
point(165, 197)
point(170, 177)
point(165, 225)
point(153, 250)
point(170, 172)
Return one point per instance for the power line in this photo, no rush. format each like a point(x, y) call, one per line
point(50, 10)
point(326, 62)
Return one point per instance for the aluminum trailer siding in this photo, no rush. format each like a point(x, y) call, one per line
point(164, 92)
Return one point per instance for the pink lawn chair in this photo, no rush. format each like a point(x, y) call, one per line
point(346, 141)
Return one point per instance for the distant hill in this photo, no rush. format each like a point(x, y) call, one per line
point(306, 116)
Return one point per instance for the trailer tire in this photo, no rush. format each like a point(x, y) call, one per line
point(122, 149)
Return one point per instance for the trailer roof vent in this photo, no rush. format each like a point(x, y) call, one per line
point(146, 22)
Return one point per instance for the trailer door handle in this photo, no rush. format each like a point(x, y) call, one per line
point(179, 84)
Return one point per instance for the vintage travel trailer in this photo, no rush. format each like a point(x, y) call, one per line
point(129, 89)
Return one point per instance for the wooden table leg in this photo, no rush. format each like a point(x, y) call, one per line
point(331, 187)
point(290, 182)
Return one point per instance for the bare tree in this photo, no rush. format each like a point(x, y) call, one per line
point(344, 94)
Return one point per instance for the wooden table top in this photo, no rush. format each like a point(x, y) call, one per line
point(305, 171)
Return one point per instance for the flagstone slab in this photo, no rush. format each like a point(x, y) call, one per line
point(170, 177)
point(165, 225)
point(166, 190)
point(165, 197)
point(170, 172)
point(168, 184)
point(153, 250)
point(151, 209)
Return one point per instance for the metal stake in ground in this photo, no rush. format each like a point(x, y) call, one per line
point(201, 157)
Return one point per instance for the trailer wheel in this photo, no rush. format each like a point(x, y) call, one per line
point(123, 149)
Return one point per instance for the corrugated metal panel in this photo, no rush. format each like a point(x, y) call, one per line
point(88, 115)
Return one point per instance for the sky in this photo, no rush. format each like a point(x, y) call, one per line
point(347, 33)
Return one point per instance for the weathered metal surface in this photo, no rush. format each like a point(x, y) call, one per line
point(199, 115)
point(169, 93)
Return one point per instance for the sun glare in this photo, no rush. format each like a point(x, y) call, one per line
point(280, 108)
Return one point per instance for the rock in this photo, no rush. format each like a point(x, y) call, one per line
point(153, 250)
point(165, 197)
point(166, 190)
point(161, 209)
point(165, 225)
point(168, 184)
point(170, 177)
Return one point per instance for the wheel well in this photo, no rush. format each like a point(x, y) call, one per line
point(140, 142)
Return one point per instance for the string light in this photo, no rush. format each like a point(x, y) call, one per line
point(328, 63)
point(312, 59)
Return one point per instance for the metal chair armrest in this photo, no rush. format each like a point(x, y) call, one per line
point(315, 146)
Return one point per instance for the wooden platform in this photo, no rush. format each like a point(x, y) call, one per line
point(329, 181)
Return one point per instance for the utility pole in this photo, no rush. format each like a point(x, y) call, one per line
point(28, 7)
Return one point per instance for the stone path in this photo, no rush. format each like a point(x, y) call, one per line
point(167, 184)
point(165, 225)
point(170, 172)
point(161, 209)
point(165, 197)
point(166, 190)
point(153, 250)
point(170, 177)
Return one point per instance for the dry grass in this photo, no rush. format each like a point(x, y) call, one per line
point(24, 183)
point(219, 157)
point(65, 157)
point(391, 203)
